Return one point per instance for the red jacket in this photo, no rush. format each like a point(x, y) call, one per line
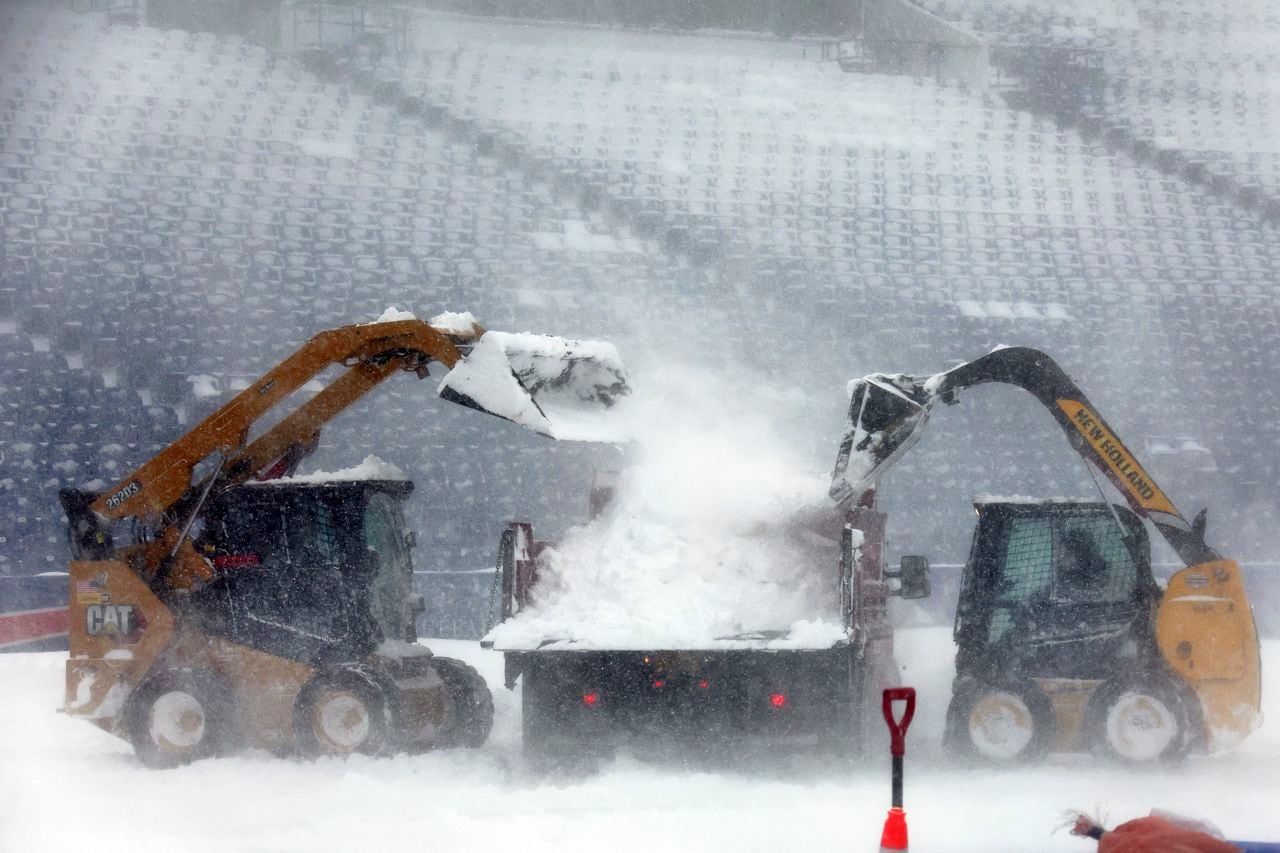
point(1157, 835)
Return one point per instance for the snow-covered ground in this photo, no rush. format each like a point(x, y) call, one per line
point(64, 785)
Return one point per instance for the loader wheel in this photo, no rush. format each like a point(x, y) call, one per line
point(176, 716)
point(1142, 720)
point(472, 717)
point(1007, 723)
point(343, 711)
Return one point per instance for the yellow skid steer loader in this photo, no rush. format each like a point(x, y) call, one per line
point(217, 601)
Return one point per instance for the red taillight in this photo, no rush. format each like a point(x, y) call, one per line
point(657, 684)
point(704, 684)
point(590, 699)
point(777, 700)
point(236, 561)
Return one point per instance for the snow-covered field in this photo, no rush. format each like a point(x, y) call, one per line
point(64, 785)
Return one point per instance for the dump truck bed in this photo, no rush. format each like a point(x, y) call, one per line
point(589, 703)
point(586, 692)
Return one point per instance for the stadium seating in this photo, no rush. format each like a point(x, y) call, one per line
point(180, 210)
point(1181, 76)
point(180, 206)
point(868, 192)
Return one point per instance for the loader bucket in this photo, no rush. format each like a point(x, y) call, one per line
point(885, 417)
point(560, 388)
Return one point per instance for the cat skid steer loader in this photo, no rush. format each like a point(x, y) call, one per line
point(1064, 637)
point(216, 601)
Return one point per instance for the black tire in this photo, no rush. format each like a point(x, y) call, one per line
point(472, 717)
point(1000, 723)
point(345, 710)
point(1142, 720)
point(176, 716)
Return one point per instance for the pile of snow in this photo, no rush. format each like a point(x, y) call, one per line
point(392, 314)
point(484, 378)
point(451, 322)
point(565, 389)
point(577, 384)
point(372, 468)
point(695, 550)
point(455, 322)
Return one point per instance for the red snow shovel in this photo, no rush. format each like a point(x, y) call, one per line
point(894, 836)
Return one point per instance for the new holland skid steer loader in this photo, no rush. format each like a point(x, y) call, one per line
point(216, 601)
point(1064, 637)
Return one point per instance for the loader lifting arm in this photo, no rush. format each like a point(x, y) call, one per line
point(1088, 433)
point(369, 352)
point(165, 494)
point(896, 406)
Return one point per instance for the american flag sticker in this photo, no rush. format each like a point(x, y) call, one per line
point(93, 590)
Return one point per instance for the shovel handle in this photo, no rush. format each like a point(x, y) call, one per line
point(898, 728)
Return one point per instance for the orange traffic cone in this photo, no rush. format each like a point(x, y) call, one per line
point(894, 836)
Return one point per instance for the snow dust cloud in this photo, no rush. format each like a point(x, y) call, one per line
point(694, 549)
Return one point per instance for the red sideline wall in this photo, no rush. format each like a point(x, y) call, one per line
point(33, 613)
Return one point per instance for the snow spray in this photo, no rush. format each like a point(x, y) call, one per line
point(894, 836)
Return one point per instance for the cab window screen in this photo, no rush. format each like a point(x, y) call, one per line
point(384, 536)
point(1028, 560)
point(312, 541)
point(1092, 562)
point(1026, 570)
point(255, 528)
point(295, 596)
point(299, 534)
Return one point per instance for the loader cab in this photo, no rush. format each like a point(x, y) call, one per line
point(1061, 589)
point(307, 570)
